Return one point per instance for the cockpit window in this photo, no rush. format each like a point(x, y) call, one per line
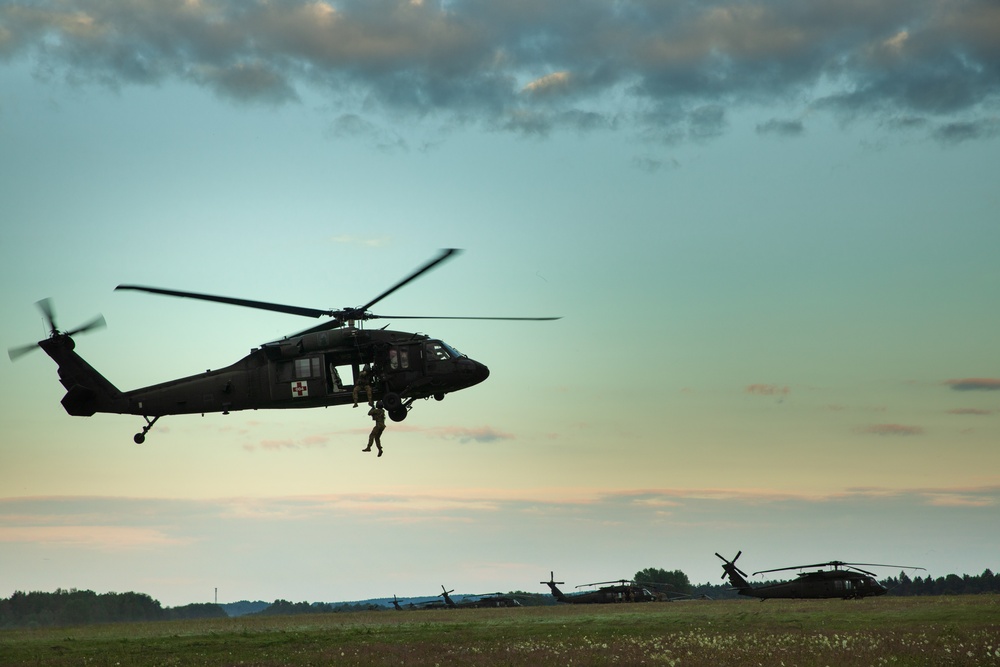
point(438, 351)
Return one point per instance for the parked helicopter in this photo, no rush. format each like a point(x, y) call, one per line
point(303, 370)
point(484, 601)
point(621, 590)
point(488, 601)
point(445, 603)
point(845, 580)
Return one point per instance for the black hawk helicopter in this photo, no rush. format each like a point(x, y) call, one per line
point(445, 603)
point(846, 580)
point(621, 590)
point(303, 370)
point(485, 601)
point(492, 600)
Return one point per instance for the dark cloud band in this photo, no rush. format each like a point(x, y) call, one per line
point(669, 70)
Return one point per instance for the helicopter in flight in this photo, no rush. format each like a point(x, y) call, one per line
point(846, 580)
point(316, 367)
point(621, 590)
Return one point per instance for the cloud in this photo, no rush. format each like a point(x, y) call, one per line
point(668, 70)
point(961, 131)
point(781, 128)
point(891, 429)
point(308, 442)
point(353, 125)
point(767, 390)
point(652, 165)
point(974, 384)
point(484, 434)
point(254, 82)
point(960, 500)
point(969, 411)
point(549, 84)
point(89, 536)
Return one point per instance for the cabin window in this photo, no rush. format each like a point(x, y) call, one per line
point(304, 369)
point(399, 358)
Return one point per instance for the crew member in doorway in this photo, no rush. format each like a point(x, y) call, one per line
point(364, 382)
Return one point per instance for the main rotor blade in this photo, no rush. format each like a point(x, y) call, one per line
point(602, 583)
point(248, 303)
point(782, 569)
point(905, 567)
point(440, 317)
point(445, 254)
point(835, 564)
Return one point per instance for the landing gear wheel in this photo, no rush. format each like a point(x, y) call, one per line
point(140, 438)
point(438, 397)
point(398, 414)
point(391, 401)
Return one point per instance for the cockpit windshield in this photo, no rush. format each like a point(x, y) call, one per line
point(438, 350)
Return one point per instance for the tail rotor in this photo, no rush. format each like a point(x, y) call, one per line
point(48, 312)
point(731, 564)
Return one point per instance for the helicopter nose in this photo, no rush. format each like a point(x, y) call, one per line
point(481, 372)
point(471, 372)
point(476, 372)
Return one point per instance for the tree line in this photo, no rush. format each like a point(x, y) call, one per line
point(987, 582)
point(74, 607)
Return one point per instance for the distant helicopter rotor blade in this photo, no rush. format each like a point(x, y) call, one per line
point(602, 583)
point(247, 303)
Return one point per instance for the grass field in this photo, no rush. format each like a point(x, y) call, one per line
point(958, 630)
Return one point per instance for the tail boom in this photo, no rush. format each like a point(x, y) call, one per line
point(87, 391)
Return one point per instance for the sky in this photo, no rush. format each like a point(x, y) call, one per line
point(769, 229)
